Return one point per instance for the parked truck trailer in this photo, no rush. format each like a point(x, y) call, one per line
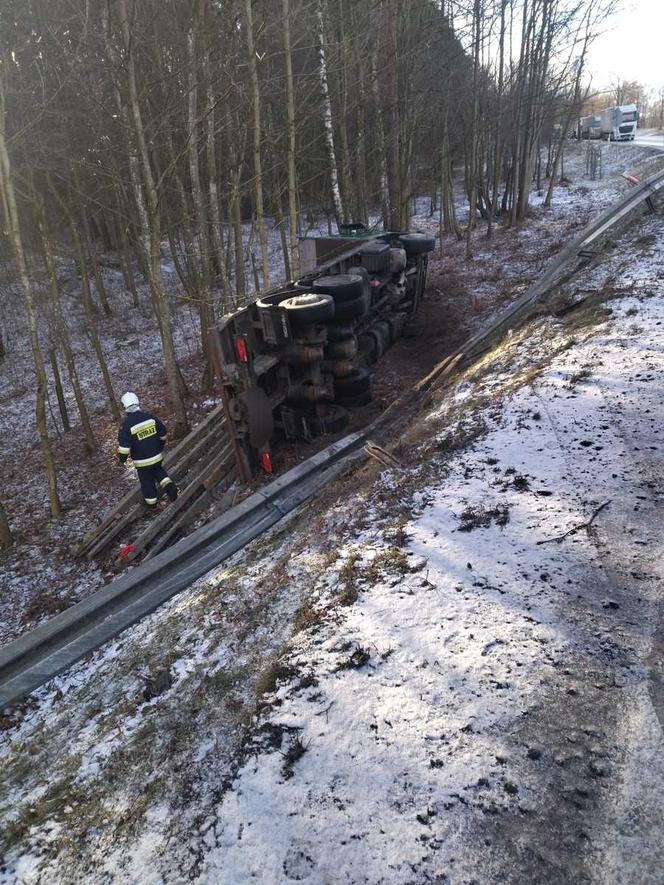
point(293, 362)
point(619, 123)
point(589, 127)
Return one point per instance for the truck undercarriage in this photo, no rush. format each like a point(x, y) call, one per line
point(292, 362)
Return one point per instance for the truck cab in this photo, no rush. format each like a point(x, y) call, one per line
point(620, 123)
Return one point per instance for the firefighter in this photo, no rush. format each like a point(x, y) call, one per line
point(143, 437)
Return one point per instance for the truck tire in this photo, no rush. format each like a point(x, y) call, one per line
point(384, 331)
point(338, 332)
point(395, 328)
point(359, 381)
point(340, 368)
point(308, 392)
point(309, 308)
point(328, 419)
point(335, 419)
point(360, 271)
point(342, 286)
point(351, 402)
point(346, 349)
point(417, 244)
point(274, 299)
point(370, 347)
point(398, 260)
point(351, 310)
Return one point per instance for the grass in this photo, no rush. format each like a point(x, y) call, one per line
point(348, 580)
point(481, 517)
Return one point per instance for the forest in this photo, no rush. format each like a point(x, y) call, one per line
point(139, 132)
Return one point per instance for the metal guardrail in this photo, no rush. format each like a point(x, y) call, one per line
point(51, 648)
point(583, 248)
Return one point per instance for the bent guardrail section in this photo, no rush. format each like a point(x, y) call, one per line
point(51, 648)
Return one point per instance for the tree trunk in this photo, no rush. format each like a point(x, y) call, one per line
point(380, 138)
point(88, 308)
point(337, 202)
point(216, 229)
point(62, 333)
point(6, 538)
point(258, 169)
point(59, 393)
point(204, 250)
point(290, 118)
point(148, 204)
point(14, 231)
point(474, 135)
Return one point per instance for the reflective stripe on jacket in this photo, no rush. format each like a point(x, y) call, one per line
point(142, 436)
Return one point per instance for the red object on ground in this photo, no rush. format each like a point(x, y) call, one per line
point(266, 461)
point(126, 549)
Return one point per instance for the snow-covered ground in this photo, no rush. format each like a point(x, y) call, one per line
point(449, 671)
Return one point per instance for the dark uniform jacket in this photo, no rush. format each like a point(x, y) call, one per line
point(142, 436)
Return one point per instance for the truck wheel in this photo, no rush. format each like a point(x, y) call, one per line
point(308, 392)
point(417, 244)
point(309, 308)
point(340, 368)
point(351, 402)
point(276, 298)
point(357, 382)
point(342, 350)
point(398, 260)
point(370, 347)
point(342, 286)
point(351, 310)
point(339, 332)
point(383, 334)
point(395, 328)
point(334, 418)
point(360, 271)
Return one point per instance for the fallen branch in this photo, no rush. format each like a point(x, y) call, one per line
point(380, 454)
point(577, 528)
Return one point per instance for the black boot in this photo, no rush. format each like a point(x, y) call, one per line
point(172, 491)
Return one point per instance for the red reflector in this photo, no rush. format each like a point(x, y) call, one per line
point(241, 349)
point(266, 461)
point(126, 549)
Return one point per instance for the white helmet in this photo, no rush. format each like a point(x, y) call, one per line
point(130, 402)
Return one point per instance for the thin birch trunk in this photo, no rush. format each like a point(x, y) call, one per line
point(258, 169)
point(380, 138)
point(327, 117)
point(290, 118)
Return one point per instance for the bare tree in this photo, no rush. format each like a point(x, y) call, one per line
point(14, 229)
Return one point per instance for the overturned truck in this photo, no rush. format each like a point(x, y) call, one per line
point(294, 361)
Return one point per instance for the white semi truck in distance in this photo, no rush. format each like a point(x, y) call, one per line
point(619, 123)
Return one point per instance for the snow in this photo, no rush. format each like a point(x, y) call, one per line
point(455, 685)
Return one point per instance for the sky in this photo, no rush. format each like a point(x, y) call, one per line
point(631, 46)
